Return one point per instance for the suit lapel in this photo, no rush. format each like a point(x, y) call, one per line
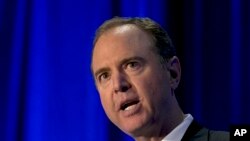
point(191, 131)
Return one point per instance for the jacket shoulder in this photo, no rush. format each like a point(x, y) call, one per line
point(210, 135)
point(219, 136)
point(196, 132)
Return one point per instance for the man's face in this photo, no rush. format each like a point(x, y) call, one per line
point(134, 86)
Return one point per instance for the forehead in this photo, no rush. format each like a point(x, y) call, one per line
point(128, 32)
point(120, 42)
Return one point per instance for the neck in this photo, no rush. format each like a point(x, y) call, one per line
point(162, 127)
point(164, 130)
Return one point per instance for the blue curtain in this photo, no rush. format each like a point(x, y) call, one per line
point(46, 88)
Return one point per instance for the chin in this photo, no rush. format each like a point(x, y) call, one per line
point(135, 127)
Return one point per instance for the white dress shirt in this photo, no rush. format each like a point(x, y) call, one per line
point(179, 131)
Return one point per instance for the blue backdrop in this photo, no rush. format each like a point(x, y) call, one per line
point(46, 88)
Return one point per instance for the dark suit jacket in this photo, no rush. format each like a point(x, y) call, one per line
point(195, 132)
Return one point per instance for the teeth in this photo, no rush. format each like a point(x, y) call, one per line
point(129, 107)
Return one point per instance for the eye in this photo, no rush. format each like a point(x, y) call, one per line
point(103, 77)
point(133, 65)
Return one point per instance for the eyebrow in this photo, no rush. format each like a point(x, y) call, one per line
point(123, 61)
point(101, 70)
point(132, 58)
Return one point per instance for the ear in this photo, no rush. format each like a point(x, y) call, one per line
point(174, 69)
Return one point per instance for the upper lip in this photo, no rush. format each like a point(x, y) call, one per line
point(126, 102)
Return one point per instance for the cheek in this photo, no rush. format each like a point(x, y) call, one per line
point(145, 88)
point(150, 81)
point(108, 104)
point(105, 98)
point(152, 86)
point(106, 101)
point(109, 107)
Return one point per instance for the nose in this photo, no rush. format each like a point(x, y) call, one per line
point(120, 83)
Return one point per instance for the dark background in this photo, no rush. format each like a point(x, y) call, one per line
point(46, 88)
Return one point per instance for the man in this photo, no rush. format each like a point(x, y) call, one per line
point(136, 72)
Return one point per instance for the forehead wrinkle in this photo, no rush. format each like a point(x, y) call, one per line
point(131, 29)
point(140, 38)
point(128, 29)
point(119, 62)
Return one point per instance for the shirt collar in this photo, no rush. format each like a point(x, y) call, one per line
point(179, 131)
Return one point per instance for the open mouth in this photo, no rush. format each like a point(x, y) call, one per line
point(129, 105)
